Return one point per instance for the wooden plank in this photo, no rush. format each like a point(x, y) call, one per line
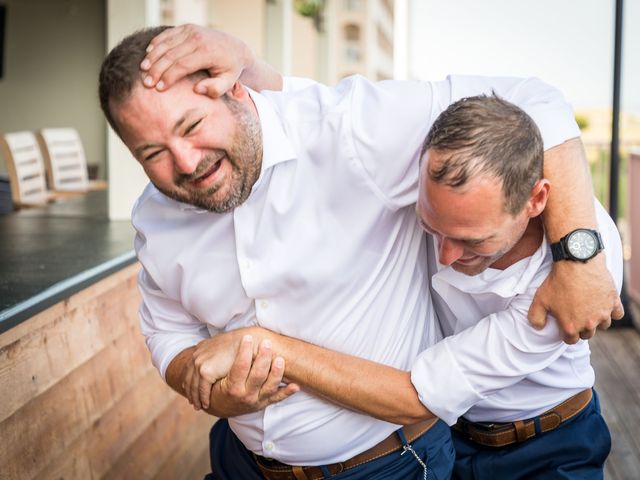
point(118, 430)
point(165, 434)
point(201, 466)
point(625, 397)
point(127, 275)
point(190, 458)
point(44, 428)
point(73, 467)
point(603, 385)
point(32, 364)
point(112, 435)
point(618, 401)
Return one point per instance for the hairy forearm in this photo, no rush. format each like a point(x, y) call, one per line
point(570, 203)
point(377, 390)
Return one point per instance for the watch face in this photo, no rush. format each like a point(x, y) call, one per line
point(582, 244)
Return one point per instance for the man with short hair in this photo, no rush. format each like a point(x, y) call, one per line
point(520, 400)
point(294, 212)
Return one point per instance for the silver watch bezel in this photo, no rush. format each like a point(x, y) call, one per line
point(581, 231)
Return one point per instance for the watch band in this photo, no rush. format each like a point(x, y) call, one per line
point(557, 250)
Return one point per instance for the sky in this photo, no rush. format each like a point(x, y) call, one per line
point(568, 43)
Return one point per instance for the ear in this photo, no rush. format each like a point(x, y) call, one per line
point(238, 91)
point(538, 199)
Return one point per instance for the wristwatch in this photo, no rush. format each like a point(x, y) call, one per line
point(579, 245)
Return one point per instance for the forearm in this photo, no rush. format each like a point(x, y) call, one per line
point(581, 296)
point(374, 389)
point(177, 370)
point(570, 203)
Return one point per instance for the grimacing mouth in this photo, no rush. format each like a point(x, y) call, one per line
point(210, 171)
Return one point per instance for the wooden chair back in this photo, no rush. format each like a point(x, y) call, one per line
point(26, 169)
point(64, 159)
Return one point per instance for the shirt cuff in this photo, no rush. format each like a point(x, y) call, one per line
point(164, 355)
point(441, 385)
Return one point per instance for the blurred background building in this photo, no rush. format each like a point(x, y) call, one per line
point(323, 39)
point(79, 397)
point(52, 49)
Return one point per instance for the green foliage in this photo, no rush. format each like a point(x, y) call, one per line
point(309, 8)
point(582, 121)
point(313, 9)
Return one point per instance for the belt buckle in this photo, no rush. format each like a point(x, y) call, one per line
point(493, 427)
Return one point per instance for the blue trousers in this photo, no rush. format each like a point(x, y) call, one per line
point(230, 460)
point(576, 449)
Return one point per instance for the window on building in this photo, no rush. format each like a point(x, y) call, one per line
point(352, 33)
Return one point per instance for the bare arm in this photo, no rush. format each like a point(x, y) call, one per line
point(362, 385)
point(378, 390)
point(582, 296)
point(180, 51)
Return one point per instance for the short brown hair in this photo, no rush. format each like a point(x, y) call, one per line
point(121, 69)
point(487, 134)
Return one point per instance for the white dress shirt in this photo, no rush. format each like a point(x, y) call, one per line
point(326, 248)
point(496, 367)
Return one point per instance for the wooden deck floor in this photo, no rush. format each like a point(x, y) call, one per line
point(616, 360)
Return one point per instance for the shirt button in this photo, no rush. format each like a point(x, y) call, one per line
point(269, 446)
point(246, 264)
point(264, 304)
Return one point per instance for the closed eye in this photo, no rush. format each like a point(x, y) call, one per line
point(152, 155)
point(192, 127)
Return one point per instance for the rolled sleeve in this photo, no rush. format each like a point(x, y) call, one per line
point(497, 352)
point(435, 368)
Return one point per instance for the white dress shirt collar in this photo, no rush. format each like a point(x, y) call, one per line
point(506, 283)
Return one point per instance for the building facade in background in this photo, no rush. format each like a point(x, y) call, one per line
point(322, 39)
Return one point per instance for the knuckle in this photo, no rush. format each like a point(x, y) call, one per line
point(179, 64)
point(571, 339)
point(244, 364)
point(247, 400)
point(205, 370)
point(170, 56)
point(236, 392)
point(197, 36)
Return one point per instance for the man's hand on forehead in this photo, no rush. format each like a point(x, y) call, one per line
point(180, 51)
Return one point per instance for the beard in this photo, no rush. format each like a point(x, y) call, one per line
point(244, 157)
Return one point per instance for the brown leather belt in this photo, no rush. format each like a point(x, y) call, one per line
point(503, 434)
point(275, 470)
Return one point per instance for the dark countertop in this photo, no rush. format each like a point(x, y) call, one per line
point(47, 254)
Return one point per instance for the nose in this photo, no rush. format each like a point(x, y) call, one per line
point(185, 159)
point(449, 251)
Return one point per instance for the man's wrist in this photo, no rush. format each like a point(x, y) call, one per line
point(579, 245)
